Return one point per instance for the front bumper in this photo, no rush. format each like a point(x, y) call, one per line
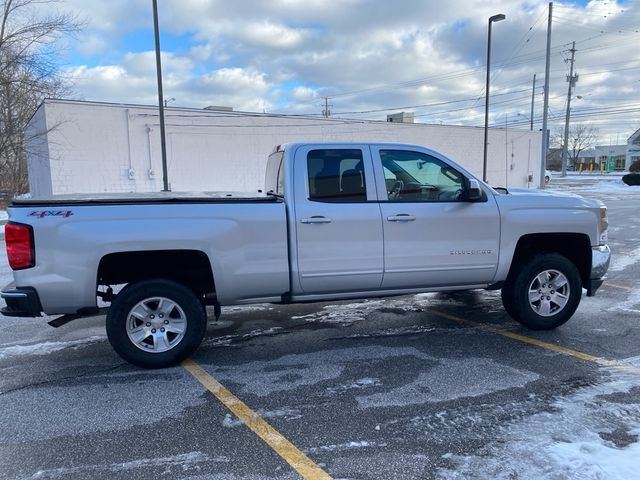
point(600, 259)
point(21, 302)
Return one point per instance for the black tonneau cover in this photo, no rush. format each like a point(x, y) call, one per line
point(144, 198)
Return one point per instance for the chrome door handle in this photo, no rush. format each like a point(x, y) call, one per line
point(401, 217)
point(316, 219)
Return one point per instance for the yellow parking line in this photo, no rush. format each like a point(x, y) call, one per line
point(283, 447)
point(539, 343)
point(621, 287)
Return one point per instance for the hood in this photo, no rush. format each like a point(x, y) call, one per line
point(546, 198)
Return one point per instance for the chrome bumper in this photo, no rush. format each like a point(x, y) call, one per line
point(600, 258)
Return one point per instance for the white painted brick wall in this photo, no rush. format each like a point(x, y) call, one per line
point(93, 146)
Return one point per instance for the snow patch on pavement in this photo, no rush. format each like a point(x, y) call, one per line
point(246, 308)
point(46, 348)
point(621, 261)
point(344, 446)
point(610, 186)
point(344, 315)
point(231, 421)
point(630, 305)
point(185, 460)
point(359, 384)
point(230, 340)
point(592, 434)
point(394, 332)
point(348, 314)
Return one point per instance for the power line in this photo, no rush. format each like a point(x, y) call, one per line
point(426, 104)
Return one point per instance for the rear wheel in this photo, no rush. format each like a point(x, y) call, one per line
point(545, 293)
point(156, 323)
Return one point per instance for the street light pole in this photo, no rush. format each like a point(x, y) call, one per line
point(163, 145)
point(495, 18)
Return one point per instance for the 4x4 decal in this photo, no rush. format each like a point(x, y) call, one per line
point(51, 213)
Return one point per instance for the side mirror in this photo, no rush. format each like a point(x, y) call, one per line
point(474, 192)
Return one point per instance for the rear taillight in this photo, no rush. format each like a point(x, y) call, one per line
point(20, 247)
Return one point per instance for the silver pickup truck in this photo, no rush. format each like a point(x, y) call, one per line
point(336, 221)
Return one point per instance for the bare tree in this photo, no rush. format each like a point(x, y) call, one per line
point(30, 31)
point(581, 138)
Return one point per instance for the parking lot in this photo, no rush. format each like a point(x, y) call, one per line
point(416, 387)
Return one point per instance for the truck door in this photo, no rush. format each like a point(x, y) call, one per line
point(337, 220)
point(432, 236)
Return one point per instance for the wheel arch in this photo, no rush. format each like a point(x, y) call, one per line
point(191, 268)
point(574, 246)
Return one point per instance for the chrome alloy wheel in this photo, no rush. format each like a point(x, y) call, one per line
point(156, 324)
point(549, 293)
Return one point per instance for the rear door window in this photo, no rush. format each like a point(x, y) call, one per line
point(336, 175)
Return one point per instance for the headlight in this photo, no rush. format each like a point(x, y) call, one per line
point(604, 225)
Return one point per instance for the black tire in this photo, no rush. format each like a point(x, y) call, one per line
point(168, 304)
point(556, 303)
point(507, 299)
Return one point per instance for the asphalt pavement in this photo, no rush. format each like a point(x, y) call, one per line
point(415, 387)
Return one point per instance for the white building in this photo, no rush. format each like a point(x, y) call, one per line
point(89, 147)
point(633, 148)
point(600, 155)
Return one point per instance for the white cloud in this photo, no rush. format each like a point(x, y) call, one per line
point(420, 52)
point(92, 44)
point(272, 35)
point(303, 94)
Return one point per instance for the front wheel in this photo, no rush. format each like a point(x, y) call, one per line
point(545, 293)
point(156, 323)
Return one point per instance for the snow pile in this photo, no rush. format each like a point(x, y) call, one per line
point(592, 434)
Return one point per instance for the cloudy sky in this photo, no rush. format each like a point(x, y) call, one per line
point(369, 57)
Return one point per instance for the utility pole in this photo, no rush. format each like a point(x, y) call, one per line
point(163, 145)
point(572, 79)
point(533, 97)
point(326, 113)
point(545, 135)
